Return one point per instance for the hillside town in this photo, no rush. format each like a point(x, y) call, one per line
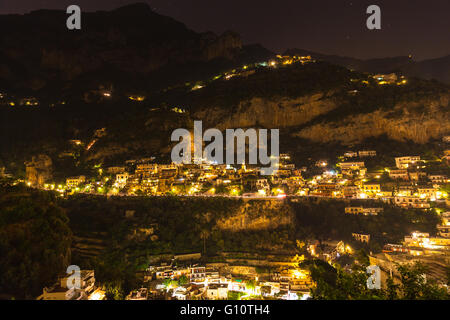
point(182, 278)
point(230, 158)
point(411, 182)
point(365, 179)
point(185, 277)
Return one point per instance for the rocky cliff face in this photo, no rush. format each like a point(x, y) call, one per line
point(417, 121)
point(275, 113)
point(258, 215)
point(137, 59)
point(226, 45)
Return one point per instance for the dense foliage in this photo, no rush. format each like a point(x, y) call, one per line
point(335, 283)
point(326, 219)
point(34, 242)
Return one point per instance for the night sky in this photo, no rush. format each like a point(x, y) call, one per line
point(417, 27)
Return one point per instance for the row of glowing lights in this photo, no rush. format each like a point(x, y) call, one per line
point(271, 63)
point(278, 192)
point(62, 188)
point(234, 191)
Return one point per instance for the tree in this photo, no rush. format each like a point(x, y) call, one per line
point(35, 241)
point(250, 284)
point(448, 276)
point(391, 289)
point(204, 235)
point(266, 290)
point(335, 283)
point(166, 282)
point(183, 280)
point(113, 290)
point(415, 285)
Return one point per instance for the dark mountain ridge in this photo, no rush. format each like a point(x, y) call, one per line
point(39, 49)
point(438, 69)
point(136, 48)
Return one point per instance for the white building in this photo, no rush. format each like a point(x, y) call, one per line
point(405, 162)
point(352, 165)
point(197, 274)
point(217, 291)
point(412, 202)
point(350, 154)
point(121, 179)
point(74, 182)
point(60, 290)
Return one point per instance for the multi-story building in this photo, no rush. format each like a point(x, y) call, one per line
point(263, 184)
point(350, 191)
point(416, 175)
point(326, 189)
point(371, 188)
point(61, 291)
point(372, 211)
point(399, 174)
point(217, 291)
point(406, 191)
point(367, 153)
point(115, 170)
point(146, 169)
point(444, 231)
point(361, 237)
point(363, 211)
point(405, 162)
point(427, 192)
point(352, 165)
point(197, 274)
point(121, 179)
point(38, 170)
point(438, 178)
point(412, 202)
point(74, 182)
point(354, 210)
point(171, 166)
point(164, 272)
point(423, 240)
